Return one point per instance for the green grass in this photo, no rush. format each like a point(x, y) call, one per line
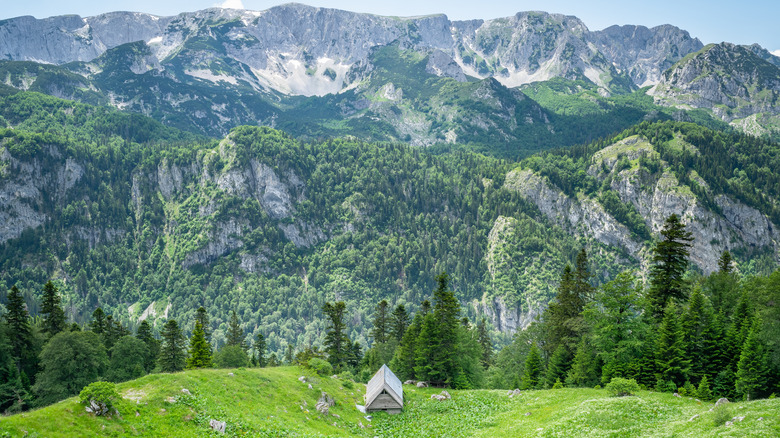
point(270, 402)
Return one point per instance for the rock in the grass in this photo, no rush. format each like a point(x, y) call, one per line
point(310, 387)
point(217, 425)
point(302, 379)
point(677, 395)
point(422, 385)
point(336, 415)
point(410, 382)
point(513, 393)
point(186, 391)
point(170, 400)
point(360, 423)
point(438, 397)
point(729, 423)
point(137, 414)
point(694, 417)
point(735, 419)
point(527, 414)
point(446, 395)
point(335, 376)
point(721, 401)
point(324, 403)
point(231, 374)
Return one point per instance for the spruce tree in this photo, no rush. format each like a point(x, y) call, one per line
point(404, 360)
point(564, 315)
point(585, 367)
point(485, 343)
point(698, 335)
point(235, 334)
point(752, 369)
point(260, 348)
point(670, 261)
point(381, 324)
point(671, 362)
point(202, 317)
point(289, 355)
point(703, 392)
point(533, 369)
point(399, 323)
point(51, 307)
point(425, 352)
point(446, 310)
point(725, 263)
point(172, 351)
point(98, 323)
point(22, 349)
point(200, 349)
point(144, 333)
point(337, 343)
point(558, 367)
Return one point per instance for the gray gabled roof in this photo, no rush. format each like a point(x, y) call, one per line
point(384, 379)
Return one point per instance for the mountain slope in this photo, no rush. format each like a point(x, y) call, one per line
point(734, 82)
point(272, 402)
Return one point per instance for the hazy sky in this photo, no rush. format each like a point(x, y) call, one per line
point(712, 21)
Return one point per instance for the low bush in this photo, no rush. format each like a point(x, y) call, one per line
point(619, 387)
point(321, 367)
point(99, 397)
point(721, 415)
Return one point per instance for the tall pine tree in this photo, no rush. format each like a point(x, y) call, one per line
point(23, 348)
point(752, 369)
point(381, 323)
point(670, 261)
point(172, 352)
point(144, 333)
point(51, 307)
point(399, 322)
point(671, 360)
point(235, 334)
point(533, 369)
point(200, 349)
point(337, 343)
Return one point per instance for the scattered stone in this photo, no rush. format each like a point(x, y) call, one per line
point(760, 419)
point(513, 393)
point(324, 403)
point(96, 408)
point(305, 404)
point(527, 414)
point(137, 414)
point(736, 419)
point(410, 382)
point(335, 376)
point(694, 417)
point(721, 401)
point(162, 411)
point(438, 397)
point(368, 417)
point(696, 399)
point(170, 400)
point(310, 387)
point(217, 425)
point(336, 415)
point(231, 375)
point(422, 385)
point(446, 394)
point(302, 379)
point(677, 395)
point(729, 423)
point(360, 423)
point(186, 391)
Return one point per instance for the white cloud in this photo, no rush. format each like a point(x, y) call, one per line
point(232, 4)
point(776, 52)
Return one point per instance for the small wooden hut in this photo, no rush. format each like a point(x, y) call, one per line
point(384, 392)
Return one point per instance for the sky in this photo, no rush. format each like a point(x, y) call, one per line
point(712, 21)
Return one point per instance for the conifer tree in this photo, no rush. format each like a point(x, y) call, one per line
point(399, 323)
point(260, 348)
point(381, 324)
point(289, 355)
point(698, 335)
point(144, 333)
point(582, 288)
point(172, 350)
point(22, 348)
point(425, 352)
point(54, 321)
point(752, 368)
point(558, 367)
point(337, 343)
point(670, 359)
point(98, 323)
point(585, 367)
point(533, 369)
point(235, 334)
point(670, 261)
point(485, 343)
point(202, 317)
point(403, 362)
point(200, 349)
point(564, 315)
point(725, 263)
point(442, 334)
point(703, 392)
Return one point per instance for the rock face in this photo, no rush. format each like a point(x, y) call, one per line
point(298, 49)
point(732, 81)
point(642, 53)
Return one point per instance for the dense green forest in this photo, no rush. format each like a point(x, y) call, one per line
point(261, 231)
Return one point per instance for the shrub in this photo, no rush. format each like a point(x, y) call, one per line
point(558, 384)
point(321, 367)
point(665, 386)
point(619, 387)
point(231, 356)
point(99, 397)
point(721, 415)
